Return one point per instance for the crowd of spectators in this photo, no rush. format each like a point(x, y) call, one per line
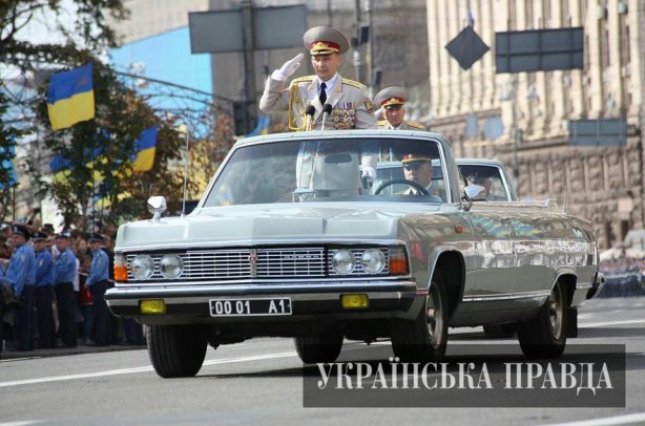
point(624, 277)
point(56, 299)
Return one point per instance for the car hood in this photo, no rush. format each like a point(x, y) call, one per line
point(253, 224)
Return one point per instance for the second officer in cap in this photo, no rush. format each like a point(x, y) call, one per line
point(392, 101)
point(304, 98)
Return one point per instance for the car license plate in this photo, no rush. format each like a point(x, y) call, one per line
point(247, 307)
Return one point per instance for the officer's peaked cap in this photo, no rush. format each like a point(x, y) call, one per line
point(324, 40)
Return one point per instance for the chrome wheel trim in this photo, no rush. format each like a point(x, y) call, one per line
point(555, 312)
point(434, 318)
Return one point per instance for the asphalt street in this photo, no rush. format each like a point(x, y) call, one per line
point(261, 382)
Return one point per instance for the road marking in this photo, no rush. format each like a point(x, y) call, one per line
point(601, 324)
point(22, 423)
point(607, 421)
point(135, 370)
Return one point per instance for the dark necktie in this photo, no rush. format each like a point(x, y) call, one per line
point(323, 93)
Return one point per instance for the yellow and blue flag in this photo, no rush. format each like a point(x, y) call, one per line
point(145, 148)
point(70, 97)
point(262, 127)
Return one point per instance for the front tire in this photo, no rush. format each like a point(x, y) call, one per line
point(425, 338)
point(176, 350)
point(545, 336)
point(319, 349)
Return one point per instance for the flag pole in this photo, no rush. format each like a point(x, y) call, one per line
point(184, 128)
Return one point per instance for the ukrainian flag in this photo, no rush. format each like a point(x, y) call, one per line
point(262, 127)
point(145, 148)
point(70, 97)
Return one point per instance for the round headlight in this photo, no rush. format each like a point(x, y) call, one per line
point(142, 267)
point(343, 262)
point(171, 266)
point(373, 261)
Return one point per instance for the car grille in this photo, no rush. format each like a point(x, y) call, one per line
point(247, 263)
point(262, 263)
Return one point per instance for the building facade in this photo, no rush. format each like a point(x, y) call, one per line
point(602, 184)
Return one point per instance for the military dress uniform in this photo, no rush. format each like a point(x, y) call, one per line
point(21, 278)
point(395, 96)
point(351, 106)
point(405, 125)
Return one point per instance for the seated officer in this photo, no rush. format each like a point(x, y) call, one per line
point(351, 106)
point(418, 169)
point(392, 100)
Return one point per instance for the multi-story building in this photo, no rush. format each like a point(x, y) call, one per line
point(603, 184)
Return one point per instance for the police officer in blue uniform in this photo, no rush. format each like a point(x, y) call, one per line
point(21, 278)
point(64, 273)
point(44, 291)
point(97, 281)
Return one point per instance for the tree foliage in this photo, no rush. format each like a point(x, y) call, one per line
point(98, 183)
point(99, 154)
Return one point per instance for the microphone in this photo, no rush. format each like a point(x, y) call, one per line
point(309, 112)
point(326, 112)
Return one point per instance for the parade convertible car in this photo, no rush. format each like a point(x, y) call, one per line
point(290, 240)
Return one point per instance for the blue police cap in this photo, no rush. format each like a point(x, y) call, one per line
point(38, 236)
point(20, 230)
point(93, 236)
point(64, 234)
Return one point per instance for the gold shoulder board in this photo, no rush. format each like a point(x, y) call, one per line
point(416, 125)
point(353, 83)
point(305, 79)
point(381, 123)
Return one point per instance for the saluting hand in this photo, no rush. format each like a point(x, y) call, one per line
point(288, 68)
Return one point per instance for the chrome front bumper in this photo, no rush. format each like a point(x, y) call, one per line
point(190, 303)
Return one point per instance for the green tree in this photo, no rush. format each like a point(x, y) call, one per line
point(98, 153)
point(89, 30)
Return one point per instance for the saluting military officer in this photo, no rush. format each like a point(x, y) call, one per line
point(21, 278)
point(350, 103)
point(392, 100)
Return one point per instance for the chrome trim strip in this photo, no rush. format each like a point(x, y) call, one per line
point(242, 244)
point(511, 296)
point(198, 285)
point(294, 297)
point(330, 287)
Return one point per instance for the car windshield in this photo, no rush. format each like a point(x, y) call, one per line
point(327, 170)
